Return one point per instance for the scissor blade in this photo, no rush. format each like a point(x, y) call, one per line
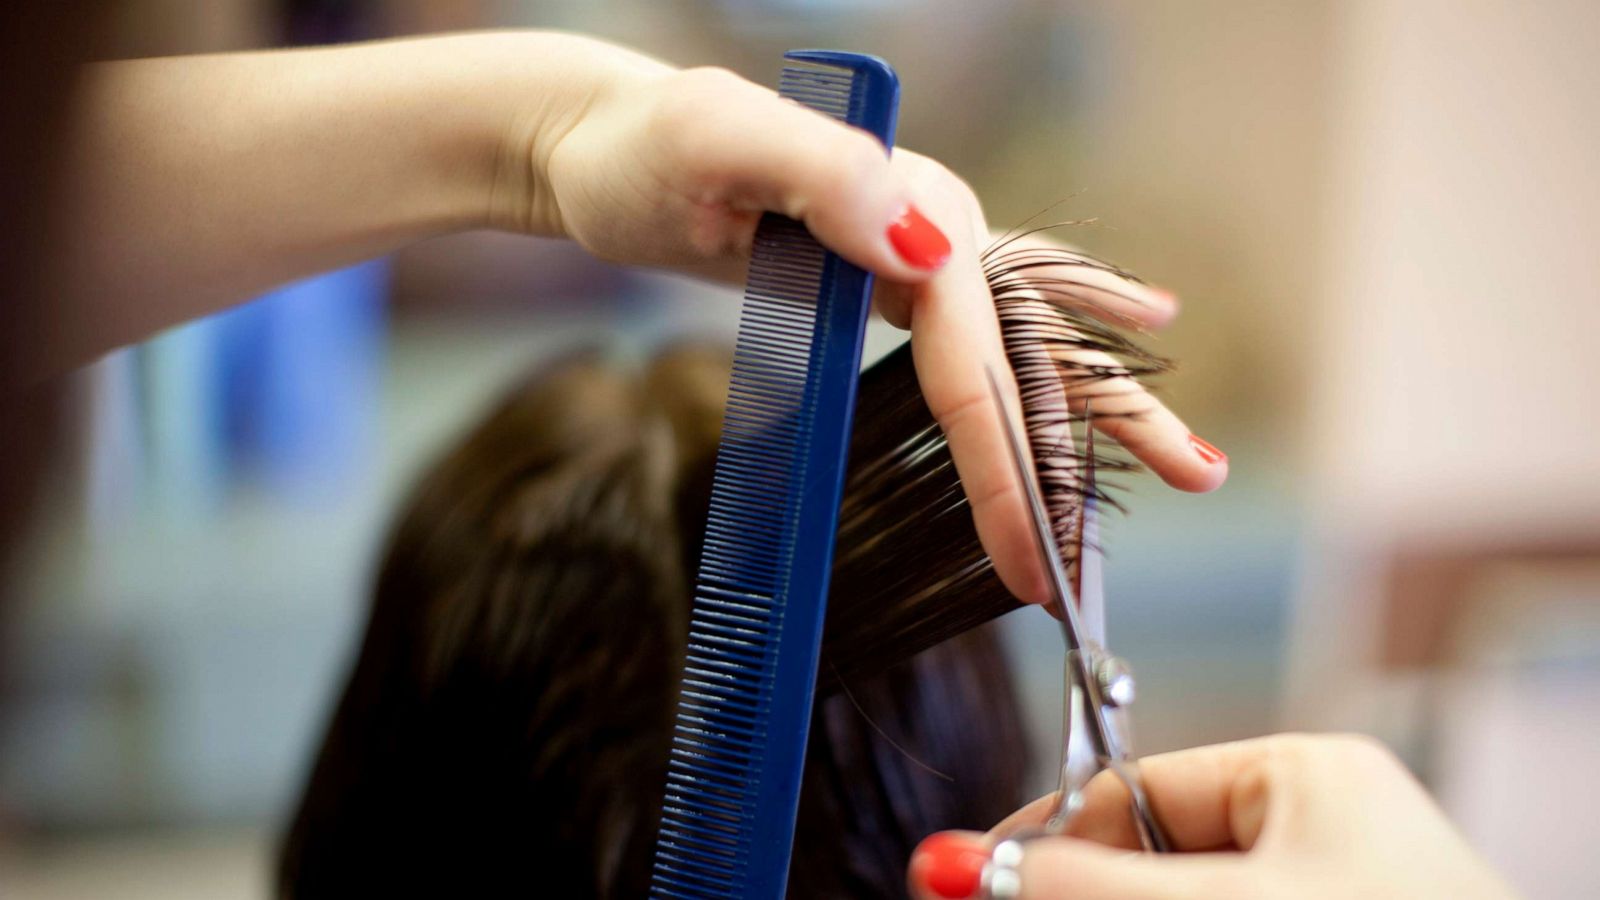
point(1090, 582)
point(1055, 569)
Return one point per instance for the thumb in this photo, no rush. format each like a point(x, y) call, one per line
point(1061, 867)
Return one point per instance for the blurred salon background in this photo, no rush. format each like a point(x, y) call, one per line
point(1382, 217)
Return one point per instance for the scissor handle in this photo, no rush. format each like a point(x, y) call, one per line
point(1104, 725)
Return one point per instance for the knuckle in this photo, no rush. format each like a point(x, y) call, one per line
point(941, 185)
point(1366, 751)
point(835, 172)
point(863, 156)
point(672, 119)
point(963, 193)
point(710, 81)
point(953, 189)
point(950, 202)
point(688, 99)
point(852, 161)
point(1350, 753)
point(992, 494)
point(1356, 743)
point(1287, 754)
point(915, 166)
point(951, 413)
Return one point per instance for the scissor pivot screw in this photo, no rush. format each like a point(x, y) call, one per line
point(1116, 681)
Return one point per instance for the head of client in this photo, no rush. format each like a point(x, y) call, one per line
point(505, 728)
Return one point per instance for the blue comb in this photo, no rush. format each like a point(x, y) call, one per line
point(733, 780)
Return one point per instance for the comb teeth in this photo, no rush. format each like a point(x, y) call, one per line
point(743, 710)
point(828, 91)
point(704, 846)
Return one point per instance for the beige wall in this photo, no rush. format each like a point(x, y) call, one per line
point(1457, 371)
point(1455, 386)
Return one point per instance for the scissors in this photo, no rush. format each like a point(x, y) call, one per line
point(1099, 686)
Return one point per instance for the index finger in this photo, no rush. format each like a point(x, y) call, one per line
point(955, 336)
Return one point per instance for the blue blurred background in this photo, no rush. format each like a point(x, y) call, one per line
point(1381, 217)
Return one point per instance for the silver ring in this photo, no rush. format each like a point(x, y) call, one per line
point(1001, 880)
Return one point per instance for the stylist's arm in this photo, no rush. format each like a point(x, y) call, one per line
point(1292, 816)
point(195, 182)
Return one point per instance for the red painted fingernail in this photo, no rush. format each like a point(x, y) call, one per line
point(918, 241)
point(1207, 452)
point(949, 865)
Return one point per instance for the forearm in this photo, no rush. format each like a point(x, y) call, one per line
point(195, 182)
point(200, 181)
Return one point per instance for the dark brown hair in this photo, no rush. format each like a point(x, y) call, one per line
point(507, 724)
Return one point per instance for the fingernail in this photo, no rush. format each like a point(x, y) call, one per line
point(949, 865)
point(1207, 452)
point(918, 241)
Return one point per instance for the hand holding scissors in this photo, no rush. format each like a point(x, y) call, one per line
point(1099, 686)
point(1308, 817)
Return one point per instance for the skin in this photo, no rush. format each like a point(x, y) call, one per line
point(199, 181)
point(1290, 816)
